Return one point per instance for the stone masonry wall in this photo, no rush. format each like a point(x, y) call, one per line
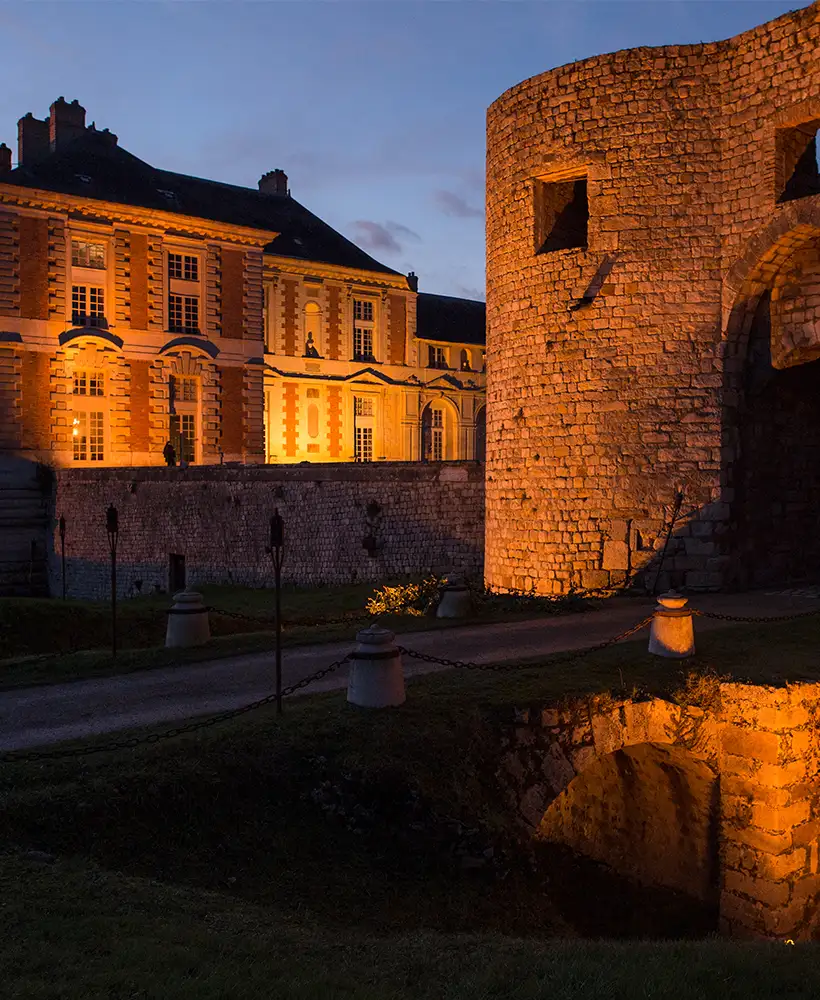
point(622, 780)
point(616, 346)
point(343, 523)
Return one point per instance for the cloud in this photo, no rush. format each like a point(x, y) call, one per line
point(375, 236)
point(453, 204)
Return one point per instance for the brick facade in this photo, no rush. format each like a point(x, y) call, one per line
point(635, 221)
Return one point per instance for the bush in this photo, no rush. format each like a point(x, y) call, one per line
point(406, 598)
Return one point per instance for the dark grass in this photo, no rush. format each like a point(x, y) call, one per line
point(82, 933)
point(217, 837)
point(46, 640)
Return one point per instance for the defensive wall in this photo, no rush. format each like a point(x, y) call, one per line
point(653, 299)
point(343, 523)
point(716, 798)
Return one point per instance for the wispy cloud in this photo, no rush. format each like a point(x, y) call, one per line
point(387, 237)
point(453, 204)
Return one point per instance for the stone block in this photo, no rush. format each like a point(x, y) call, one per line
point(743, 742)
point(616, 556)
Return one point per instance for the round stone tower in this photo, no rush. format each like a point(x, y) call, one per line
point(653, 308)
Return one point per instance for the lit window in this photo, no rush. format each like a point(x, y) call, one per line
point(363, 310)
point(437, 358)
point(183, 266)
point(85, 254)
point(88, 433)
point(183, 436)
point(362, 344)
point(183, 313)
point(364, 444)
point(364, 406)
point(87, 305)
point(88, 382)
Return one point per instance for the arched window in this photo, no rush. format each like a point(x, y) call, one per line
point(438, 430)
point(313, 330)
point(465, 360)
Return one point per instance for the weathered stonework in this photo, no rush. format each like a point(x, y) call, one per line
point(656, 345)
point(721, 801)
point(429, 517)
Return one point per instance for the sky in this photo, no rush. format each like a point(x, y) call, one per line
point(374, 108)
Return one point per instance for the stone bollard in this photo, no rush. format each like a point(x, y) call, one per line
point(455, 600)
point(672, 633)
point(187, 621)
point(376, 673)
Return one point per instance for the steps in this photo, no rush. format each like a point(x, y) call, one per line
point(25, 525)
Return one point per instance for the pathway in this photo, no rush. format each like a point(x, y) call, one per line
point(31, 717)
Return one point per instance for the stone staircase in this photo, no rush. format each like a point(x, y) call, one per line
point(24, 529)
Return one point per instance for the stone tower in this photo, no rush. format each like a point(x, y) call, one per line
point(653, 241)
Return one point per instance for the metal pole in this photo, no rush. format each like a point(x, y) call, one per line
point(62, 549)
point(277, 547)
point(112, 527)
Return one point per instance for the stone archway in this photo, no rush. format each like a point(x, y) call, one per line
point(771, 415)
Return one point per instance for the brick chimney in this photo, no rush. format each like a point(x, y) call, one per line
point(274, 182)
point(5, 158)
point(32, 140)
point(66, 122)
point(413, 281)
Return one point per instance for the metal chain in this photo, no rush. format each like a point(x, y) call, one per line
point(504, 667)
point(755, 621)
point(310, 623)
point(15, 756)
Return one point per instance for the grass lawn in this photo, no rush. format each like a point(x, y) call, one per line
point(44, 640)
point(319, 856)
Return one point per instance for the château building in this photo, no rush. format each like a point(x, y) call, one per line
point(140, 306)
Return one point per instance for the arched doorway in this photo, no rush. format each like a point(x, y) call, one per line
point(438, 432)
point(772, 432)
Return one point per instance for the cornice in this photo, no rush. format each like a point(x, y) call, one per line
point(287, 266)
point(95, 209)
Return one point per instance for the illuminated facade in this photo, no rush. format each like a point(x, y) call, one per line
point(140, 306)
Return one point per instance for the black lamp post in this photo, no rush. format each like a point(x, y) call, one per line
point(112, 527)
point(62, 549)
point(277, 548)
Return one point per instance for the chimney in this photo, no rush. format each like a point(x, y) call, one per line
point(274, 182)
point(66, 122)
point(413, 281)
point(5, 158)
point(32, 140)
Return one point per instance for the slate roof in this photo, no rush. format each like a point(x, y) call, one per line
point(449, 319)
point(94, 166)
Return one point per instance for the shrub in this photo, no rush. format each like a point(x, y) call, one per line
point(406, 598)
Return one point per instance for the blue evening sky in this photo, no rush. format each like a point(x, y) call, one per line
point(374, 109)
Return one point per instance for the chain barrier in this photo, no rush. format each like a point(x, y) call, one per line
point(20, 756)
point(569, 657)
point(299, 623)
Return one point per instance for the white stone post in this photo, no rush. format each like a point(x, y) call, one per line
point(455, 600)
point(672, 633)
point(376, 672)
point(187, 621)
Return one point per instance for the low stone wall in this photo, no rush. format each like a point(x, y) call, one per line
point(343, 523)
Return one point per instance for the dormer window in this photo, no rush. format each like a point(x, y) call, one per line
point(436, 357)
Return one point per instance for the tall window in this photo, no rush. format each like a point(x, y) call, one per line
point(183, 313)
point(437, 437)
point(85, 254)
point(436, 357)
point(364, 330)
point(184, 292)
point(87, 305)
point(364, 411)
point(313, 330)
point(88, 421)
point(184, 399)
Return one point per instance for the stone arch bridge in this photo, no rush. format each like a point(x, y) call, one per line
point(719, 799)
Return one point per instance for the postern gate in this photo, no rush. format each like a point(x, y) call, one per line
point(721, 801)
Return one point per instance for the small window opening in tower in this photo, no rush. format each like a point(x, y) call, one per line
point(798, 161)
point(561, 215)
